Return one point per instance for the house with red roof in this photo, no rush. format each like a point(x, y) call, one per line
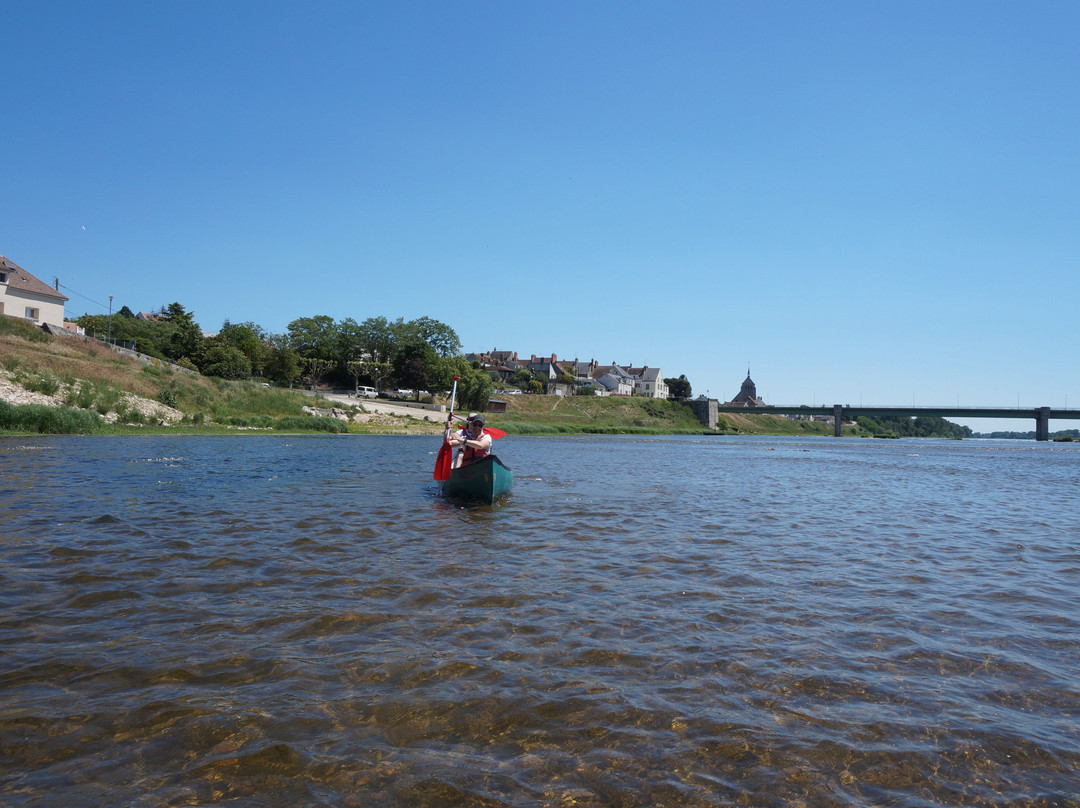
point(23, 295)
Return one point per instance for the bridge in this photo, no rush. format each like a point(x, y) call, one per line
point(847, 412)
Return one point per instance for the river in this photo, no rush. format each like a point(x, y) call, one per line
point(281, 621)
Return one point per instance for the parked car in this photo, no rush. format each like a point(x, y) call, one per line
point(367, 392)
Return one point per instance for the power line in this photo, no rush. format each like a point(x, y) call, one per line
point(84, 297)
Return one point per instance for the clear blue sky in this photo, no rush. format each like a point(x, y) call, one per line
point(864, 202)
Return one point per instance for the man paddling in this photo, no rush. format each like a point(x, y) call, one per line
point(473, 441)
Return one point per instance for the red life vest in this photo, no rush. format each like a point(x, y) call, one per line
point(470, 454)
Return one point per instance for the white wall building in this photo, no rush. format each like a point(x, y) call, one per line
point(23, 295)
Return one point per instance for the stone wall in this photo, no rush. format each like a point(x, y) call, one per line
point(705, 410)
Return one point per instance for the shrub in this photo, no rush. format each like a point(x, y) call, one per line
point(81, 396)
point(311, 424)
point(167, 396)
point(106, 398)
point(130, 416)
point(47, 420)
point(44, 383)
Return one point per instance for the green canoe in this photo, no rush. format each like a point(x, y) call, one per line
point(486, 480)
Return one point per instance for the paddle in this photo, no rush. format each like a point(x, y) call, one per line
point(445, 461)
point(489, 430)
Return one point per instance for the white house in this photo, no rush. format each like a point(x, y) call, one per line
point(649, 382)
point(617, 381)
point(23, 295)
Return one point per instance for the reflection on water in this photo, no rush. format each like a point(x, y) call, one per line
point(303, 621)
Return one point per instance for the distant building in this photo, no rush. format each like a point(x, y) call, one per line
point(747, 396)
point(544, 366)
point(501, 363)
point(23, 295)
point(614, 379)
point(649, 382)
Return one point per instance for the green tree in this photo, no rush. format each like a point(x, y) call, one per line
point(523, 378)
point(282, 364)
point(923, 426)
point(314, 337)
point(413, 363)
point(226, 362)
point(441, 337)
point(379, 339)
point(678, 388)
point(474, 385)
point(315, 340)
point(250, 339)
point(186, 340)
point(151, 337)
point(365, 349)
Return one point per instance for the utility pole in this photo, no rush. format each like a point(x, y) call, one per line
point(109, 340)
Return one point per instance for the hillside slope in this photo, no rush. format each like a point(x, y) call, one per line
point(70, 374)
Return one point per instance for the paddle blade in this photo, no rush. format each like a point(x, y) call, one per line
point(495, 433)
point(444, 462)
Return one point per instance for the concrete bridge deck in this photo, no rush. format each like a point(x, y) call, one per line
point(848, 412)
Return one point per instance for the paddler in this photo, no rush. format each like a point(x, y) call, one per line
point(473, 441)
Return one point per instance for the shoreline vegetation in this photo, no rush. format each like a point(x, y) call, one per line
point(76, 385)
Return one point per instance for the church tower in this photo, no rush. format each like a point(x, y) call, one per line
point(747, 393)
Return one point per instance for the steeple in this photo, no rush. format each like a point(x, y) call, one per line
point(747, 396)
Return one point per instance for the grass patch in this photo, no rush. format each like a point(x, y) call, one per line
point(16, 326)
point(47, 420)
point(43, 382)
point(599, 415)
point(311, 424)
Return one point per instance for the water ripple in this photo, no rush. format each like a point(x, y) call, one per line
point(280, 621)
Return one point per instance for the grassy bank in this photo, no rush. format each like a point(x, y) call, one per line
point(612, 415)
point(64, 385)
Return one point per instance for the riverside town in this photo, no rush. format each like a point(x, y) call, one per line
point(398, 362)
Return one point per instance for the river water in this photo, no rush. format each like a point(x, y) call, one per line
point(280, 621)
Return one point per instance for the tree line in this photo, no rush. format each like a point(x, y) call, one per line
point(922, 426)
point(420, 354)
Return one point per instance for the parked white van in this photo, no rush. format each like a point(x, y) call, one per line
point(367, 392)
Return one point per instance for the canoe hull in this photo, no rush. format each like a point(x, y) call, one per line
point(484, 480)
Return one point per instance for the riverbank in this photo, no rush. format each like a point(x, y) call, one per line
point(56, 384)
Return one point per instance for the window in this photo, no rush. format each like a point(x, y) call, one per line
point(31, 314)
point(3, 277)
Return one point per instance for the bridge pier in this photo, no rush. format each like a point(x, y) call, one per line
point(838, 419)
point(1042, 423)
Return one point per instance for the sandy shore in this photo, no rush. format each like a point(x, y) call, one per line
point(387, 415)
point(380, 406)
